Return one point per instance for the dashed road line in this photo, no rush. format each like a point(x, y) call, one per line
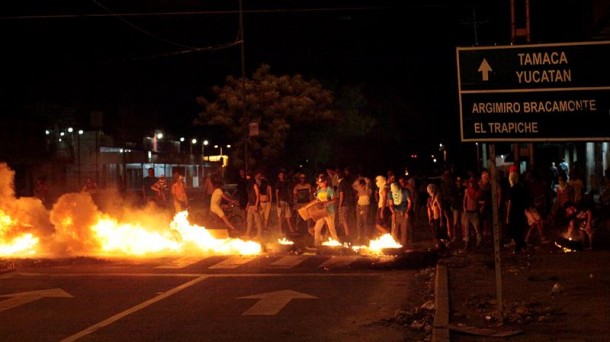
point(232, 263)
point(289, 261)
point(181, 262)
point(339, 261)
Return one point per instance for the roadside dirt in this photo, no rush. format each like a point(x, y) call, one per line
point(548, 295)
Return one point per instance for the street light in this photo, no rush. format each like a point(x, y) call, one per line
point(222, 160)
point(80, 132)
point(203, 145)
point(193, 142)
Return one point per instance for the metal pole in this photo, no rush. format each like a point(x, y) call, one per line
point(203, 161)
point(496, 231)
point(79, 162)
point(243, 83)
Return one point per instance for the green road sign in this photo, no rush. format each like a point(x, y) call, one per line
point(541, 92)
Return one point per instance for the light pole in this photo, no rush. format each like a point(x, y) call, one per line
point(222, 163)
point(80, 132)
point(193, 142)
point(203, 145)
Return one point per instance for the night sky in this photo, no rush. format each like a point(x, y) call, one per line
point(83, 54)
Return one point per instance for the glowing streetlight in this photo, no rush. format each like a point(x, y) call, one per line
point(203, 145)
point(193, 142)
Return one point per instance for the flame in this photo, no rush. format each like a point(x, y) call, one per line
point(12, 241)
point(284, 241)
point(106, 236)
point(24, 244)
point(331, 242)
point(385, 241)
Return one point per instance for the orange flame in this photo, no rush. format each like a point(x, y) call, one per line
point(11, 240)
point(376, 246)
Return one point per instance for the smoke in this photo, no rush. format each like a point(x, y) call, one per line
point(20, 215)
point(66, 230)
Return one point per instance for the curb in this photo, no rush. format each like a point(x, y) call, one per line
point(440, 328)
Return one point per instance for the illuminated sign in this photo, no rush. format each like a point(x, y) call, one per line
point(540, 92)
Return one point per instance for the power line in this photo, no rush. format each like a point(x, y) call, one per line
point(193, 13)
point(140, 29)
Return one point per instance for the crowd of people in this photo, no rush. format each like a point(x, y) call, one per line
point(457, 208)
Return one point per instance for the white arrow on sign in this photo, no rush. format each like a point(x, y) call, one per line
point(271, 303)
point(484, 69)
point(21, 298)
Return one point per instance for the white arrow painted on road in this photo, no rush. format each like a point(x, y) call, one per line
point(271, 303)
point(485, 68)
point(21, 298)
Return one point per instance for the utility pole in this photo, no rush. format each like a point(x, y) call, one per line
point(475, 25)
point(475, 29)
point(519, 32)
point(243, 83)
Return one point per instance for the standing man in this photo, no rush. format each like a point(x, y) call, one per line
point(265, 197)
point(302, 194)
point(179, 192)
point(515, 217)
point(406, 226)
point(347, 200)
point(283, 198)
point(383, 218)
point(362, 186)
point(326, 195)
point(148, 194)
point(160, 188)
point(253, 212)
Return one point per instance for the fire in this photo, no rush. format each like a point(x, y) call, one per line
point(24, 244)
point(75, 226)
point(11, 240)
point(385, 241)
point(181, 236)
point(108, 237)
point(284, 241)
point(331, 242)
point(131, 239)
point(201, 238)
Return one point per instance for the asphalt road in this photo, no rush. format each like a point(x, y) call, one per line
point(217, 298)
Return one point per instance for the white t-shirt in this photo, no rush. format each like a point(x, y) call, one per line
point(215, 202)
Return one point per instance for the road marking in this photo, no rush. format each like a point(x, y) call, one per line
point(21, 298)
point(339, 261)
point(232, 263)
point(181, 262)
point(289, 261)
point(271, 303)
point(133, 309)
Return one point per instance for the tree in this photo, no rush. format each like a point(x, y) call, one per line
point(280, 105)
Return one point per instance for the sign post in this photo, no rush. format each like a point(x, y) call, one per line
point(535, 92)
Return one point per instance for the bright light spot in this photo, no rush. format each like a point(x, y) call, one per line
point(194, 141)
point(284, 241)
point(332, 243)
point(70, 130)
point(159, 135)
